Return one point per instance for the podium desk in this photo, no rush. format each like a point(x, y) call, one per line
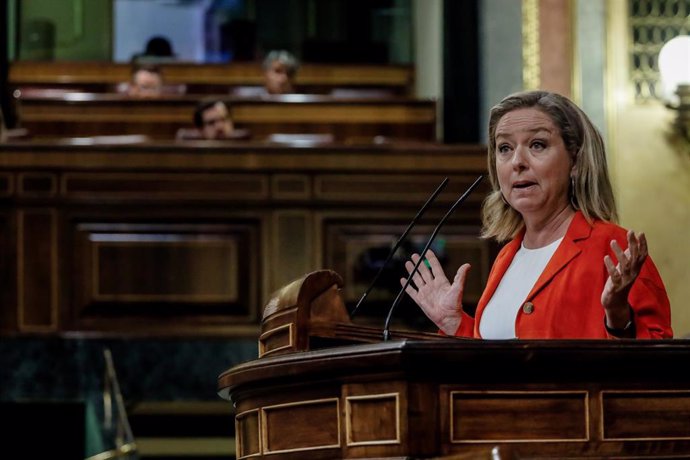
point(452, 398)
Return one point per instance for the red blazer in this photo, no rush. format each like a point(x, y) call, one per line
point(565, 302)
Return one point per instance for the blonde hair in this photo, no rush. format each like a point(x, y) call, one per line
point(591, 191)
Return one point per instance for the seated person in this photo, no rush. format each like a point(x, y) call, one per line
point(146, 81)
point(279, 71)
point(280, 68)
point(212, 121)
point(158, 49)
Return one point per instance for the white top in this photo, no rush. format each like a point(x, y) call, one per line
point(498, 319)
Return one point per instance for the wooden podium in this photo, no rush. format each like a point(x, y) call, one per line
point(417, 397)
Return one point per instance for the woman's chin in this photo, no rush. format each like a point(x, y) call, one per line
point(527, 206)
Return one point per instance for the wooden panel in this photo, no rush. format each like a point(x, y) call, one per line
point(8, 277)
point(277, 339)
point(37, 185)
point(6, 184)
point(197, 268)
point(407, 189)
point(422, 161)
point(149, 186)
point(334, 111)
point(247, 434)
point(356, 250)
point(164, 269)
point(37, 270)
point(292, 246)
point(638, 415)
point(518, 416)
point(301, 426)
point(376, 419)
point(373, 419)
point(290, 186)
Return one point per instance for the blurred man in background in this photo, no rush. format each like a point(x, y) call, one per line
point(146, 81)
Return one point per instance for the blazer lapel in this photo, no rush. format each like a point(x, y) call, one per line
point(567, 251)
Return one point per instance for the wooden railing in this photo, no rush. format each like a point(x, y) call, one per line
point(210, 78)
point(46, 114)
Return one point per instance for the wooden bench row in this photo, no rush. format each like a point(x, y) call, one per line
point(91, 114)
point(210, 78)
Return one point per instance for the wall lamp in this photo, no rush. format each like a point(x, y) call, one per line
point(674, 67)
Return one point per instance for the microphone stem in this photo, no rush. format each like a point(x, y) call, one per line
point(386, 327)
point(397, 244)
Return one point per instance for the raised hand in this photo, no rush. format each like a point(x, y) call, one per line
point(436, 296)
point(622, 275)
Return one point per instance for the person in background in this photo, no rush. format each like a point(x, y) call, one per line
point(280, 68)
point(158, 49)
point(146, 81)
point(568, 271)
point(213, 121)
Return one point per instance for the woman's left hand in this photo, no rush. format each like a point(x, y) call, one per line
point(622, 275)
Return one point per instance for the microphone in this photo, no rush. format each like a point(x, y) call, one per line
point(386, 327)
point(421, 212)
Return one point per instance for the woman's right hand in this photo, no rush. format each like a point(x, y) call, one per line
point(440, 300)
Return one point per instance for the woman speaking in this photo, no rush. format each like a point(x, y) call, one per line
point(568, 271)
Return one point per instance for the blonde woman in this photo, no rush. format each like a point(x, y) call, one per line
point(567, 271)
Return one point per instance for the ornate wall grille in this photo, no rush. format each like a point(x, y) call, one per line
point(653, 23)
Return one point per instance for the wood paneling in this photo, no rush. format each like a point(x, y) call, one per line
point(637, 415)
point(376, 417)
point(356, 249)
point(301, 426)
point(458, 399)
point(9, 312)
point(37, 277)
point(37, 185)
point(247, 425)
point(140, 268)
point(191, 239)
point(154, 186)
point(518, 416)
point(6, 184)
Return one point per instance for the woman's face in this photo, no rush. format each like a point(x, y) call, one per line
point(532, 164)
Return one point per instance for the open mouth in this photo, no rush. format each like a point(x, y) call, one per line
point(523, 185)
